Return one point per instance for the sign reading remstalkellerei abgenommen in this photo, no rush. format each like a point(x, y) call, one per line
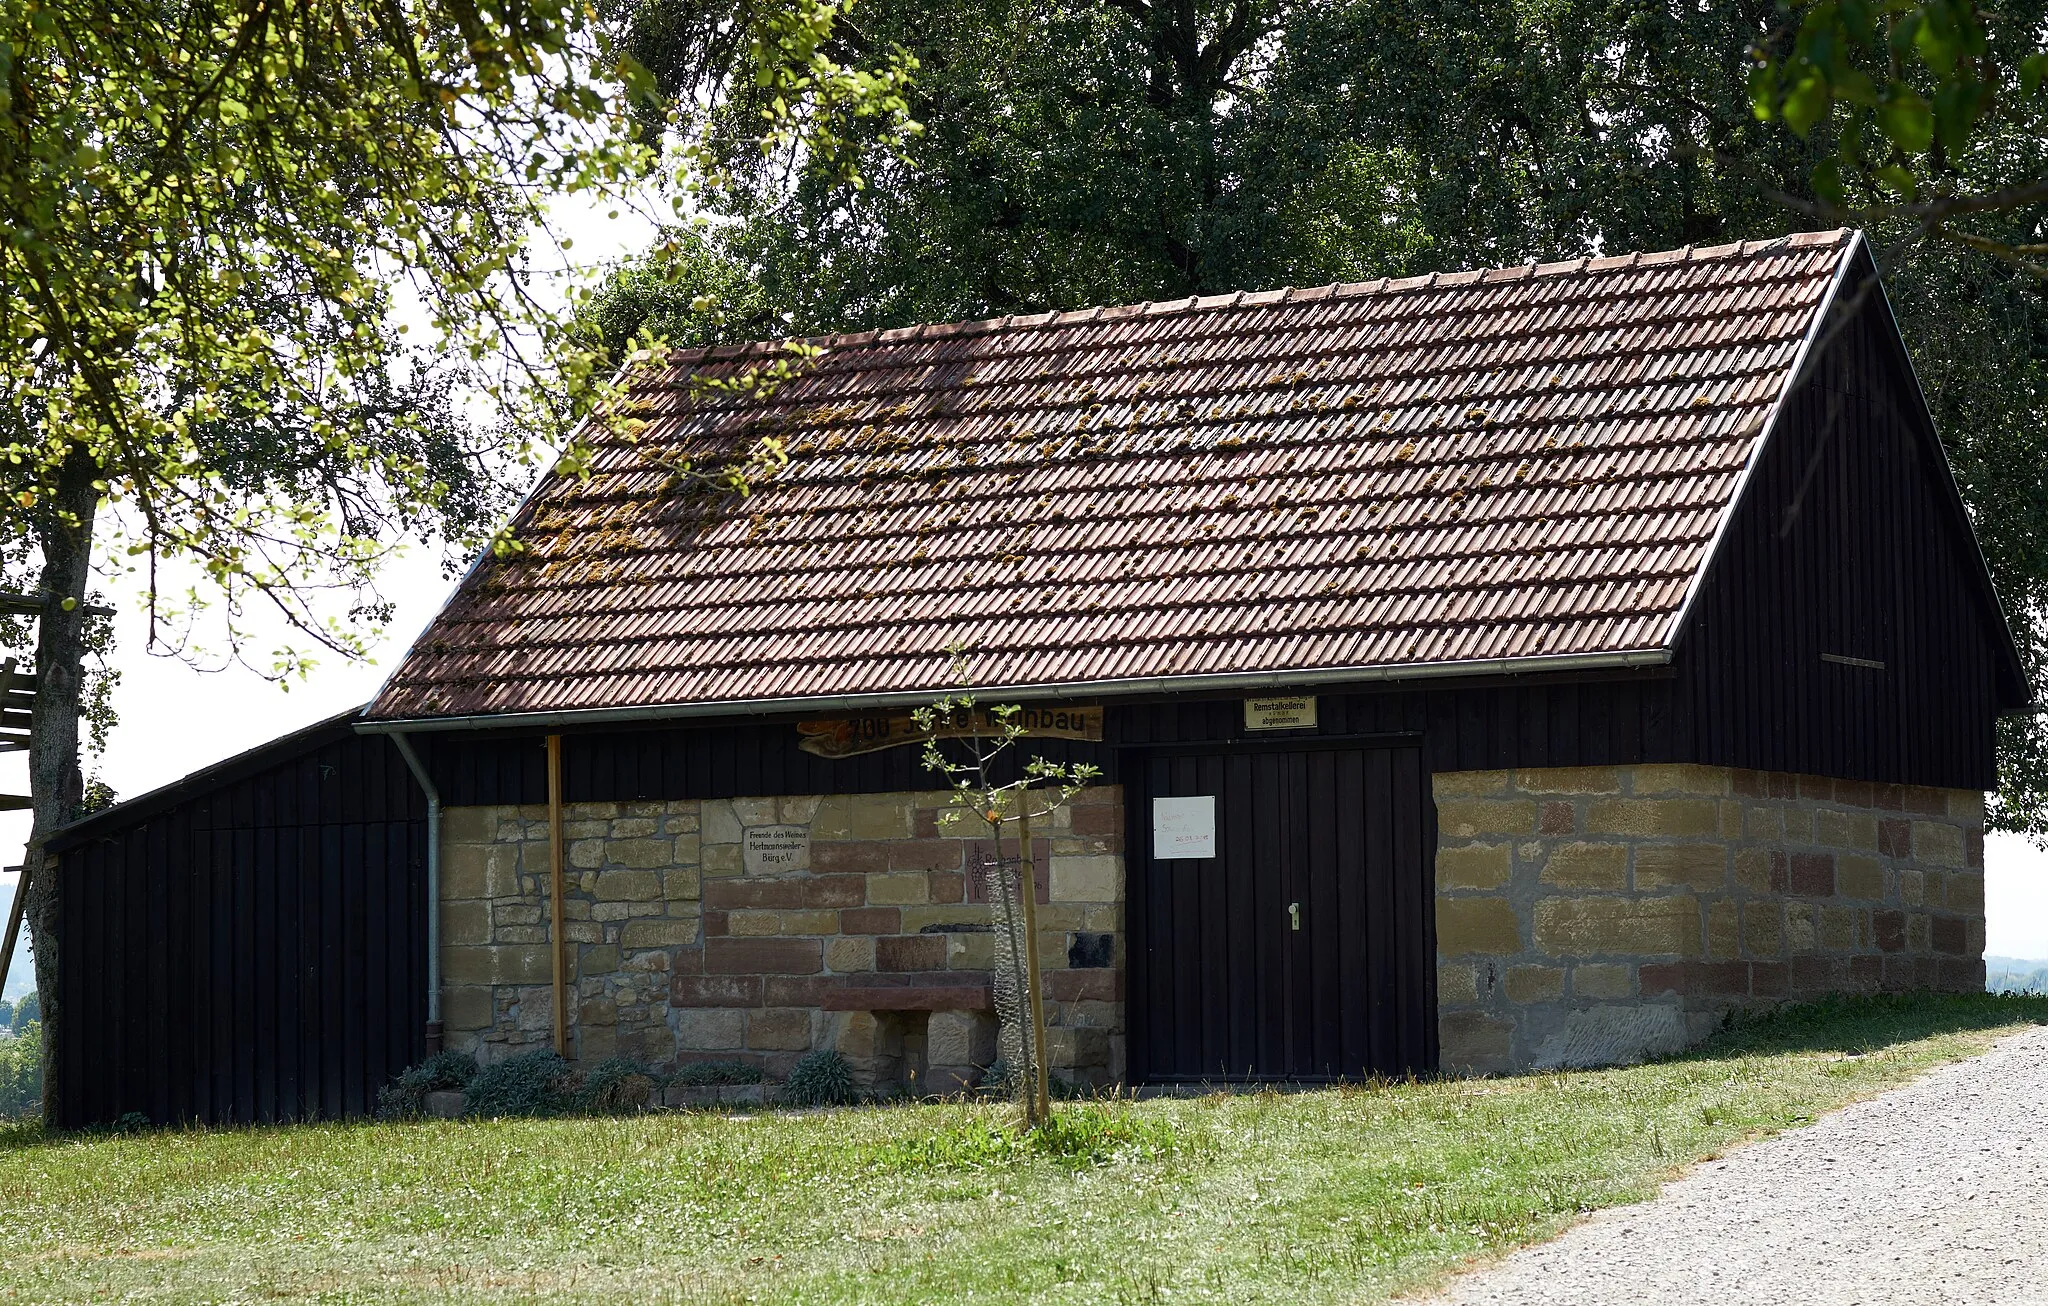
point(1280, 713)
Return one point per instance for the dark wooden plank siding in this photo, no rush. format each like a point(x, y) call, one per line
point(1535, 723)
point(1222, 984)
point(1847, 543)
point(253, 953)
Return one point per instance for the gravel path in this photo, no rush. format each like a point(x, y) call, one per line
point(1934, 1194)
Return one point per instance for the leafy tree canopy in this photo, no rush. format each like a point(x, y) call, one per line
point(1111, 151)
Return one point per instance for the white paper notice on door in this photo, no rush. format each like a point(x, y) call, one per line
point(1183, 827)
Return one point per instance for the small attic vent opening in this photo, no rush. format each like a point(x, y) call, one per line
point(1844, 660)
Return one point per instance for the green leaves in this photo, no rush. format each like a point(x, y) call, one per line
point(208, 216)
point(1906, 119)
point(2032, 69)
point(1901, 99)
point(1922, 72)
point(1806, 103)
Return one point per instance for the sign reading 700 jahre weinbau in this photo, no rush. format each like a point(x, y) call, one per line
point(869, 734)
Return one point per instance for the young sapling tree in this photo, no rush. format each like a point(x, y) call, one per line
point(985, 747)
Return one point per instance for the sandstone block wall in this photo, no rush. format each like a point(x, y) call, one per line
point(1588, 915)
point(678, 953)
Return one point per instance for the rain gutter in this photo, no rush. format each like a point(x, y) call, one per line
point(856, 703)
point(419, 773)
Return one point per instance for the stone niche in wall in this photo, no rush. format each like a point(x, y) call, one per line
point(756, 929)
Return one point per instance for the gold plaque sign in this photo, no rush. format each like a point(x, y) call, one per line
point(1279, 713)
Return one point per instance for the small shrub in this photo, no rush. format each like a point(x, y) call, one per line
point(530, 1084)
point(405, 1098)
point(710, 1074)
point(615, 1086)
point(1075, 1138)
point(131, 1122)
point(1092, 1134)
point(1000, 1077)
point(820, 1079)
point(21, 1071)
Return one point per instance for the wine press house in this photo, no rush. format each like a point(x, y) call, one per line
point(1489, 671)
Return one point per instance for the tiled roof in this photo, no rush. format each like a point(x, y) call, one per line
point(1516, 463)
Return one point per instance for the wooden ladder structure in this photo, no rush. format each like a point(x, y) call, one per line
point(17, 711)
point(17, 708)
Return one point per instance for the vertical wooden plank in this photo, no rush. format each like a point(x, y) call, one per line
point(220, 899)
point(1239, 846)
point(1627, 721)
point(1323, 911)
point(155, 944)
point(288, 942)
point(130, 964)
point(196, 883)
point(1383, 924)
point(355, 971)
point(82, 917)
point(1563, 719)
point(1212, 876)
point(1165, 981)
point(242, 1104)
point(1184, 939)
point(1140, 1009)
point(378, 960)
point(1351, 814)
point(1532, 726)
point(177, 929)
point(103, 902)
point(312, 981)
point(1272, 867)
point(1596, 731)
point(1474, 750)
point(410, 848)
point(335, 991)
point(1441, 737)
point(1413, 906)
point(260, 943)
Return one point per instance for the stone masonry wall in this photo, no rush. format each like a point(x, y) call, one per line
point(678, 953)
point(1588, 915)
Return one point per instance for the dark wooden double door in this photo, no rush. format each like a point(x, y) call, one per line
point(1304, 949)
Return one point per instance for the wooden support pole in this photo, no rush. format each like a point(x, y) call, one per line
point(559, 945)
point(14, 915)
point(1041, 1100)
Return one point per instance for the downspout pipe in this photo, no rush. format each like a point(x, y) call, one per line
point(426, 783)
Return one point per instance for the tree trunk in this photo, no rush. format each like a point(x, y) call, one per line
point(65, 536)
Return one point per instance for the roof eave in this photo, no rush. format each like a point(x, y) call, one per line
point(1626, 659)
point(303, 739)
point(1801, 360)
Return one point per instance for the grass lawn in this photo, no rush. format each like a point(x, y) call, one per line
point(1339, 1195)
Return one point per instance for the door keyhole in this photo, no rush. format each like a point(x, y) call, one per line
point(1294, 914)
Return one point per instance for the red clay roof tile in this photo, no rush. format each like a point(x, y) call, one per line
point(1515, 462)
